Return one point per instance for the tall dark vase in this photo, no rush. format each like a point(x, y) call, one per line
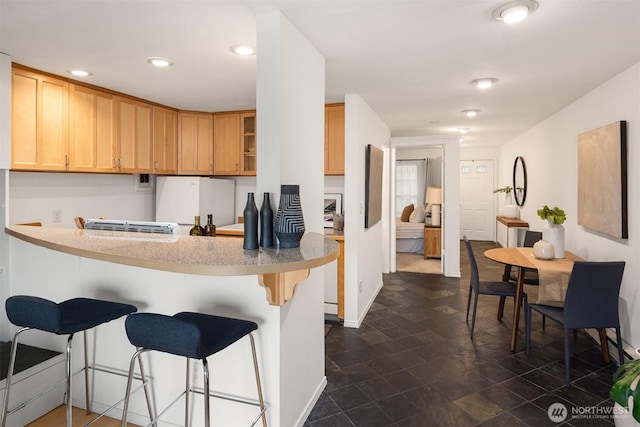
point(266, 223)
point(250, 224)
point(289, 226)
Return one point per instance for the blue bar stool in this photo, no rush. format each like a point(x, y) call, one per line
point(65, 318)
point(194, 336)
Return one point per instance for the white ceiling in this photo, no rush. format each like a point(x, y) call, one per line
point(412, 61)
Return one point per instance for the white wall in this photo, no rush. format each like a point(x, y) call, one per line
point(550, 152)
point(35, 195)
point(418, 153)
point(363, 260)
point(290, 114)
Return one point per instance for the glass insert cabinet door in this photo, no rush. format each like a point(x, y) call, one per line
point(249, 147)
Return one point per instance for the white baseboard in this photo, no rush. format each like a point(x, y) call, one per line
point(312, 402)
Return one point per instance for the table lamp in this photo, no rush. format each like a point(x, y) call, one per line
point(434, 198)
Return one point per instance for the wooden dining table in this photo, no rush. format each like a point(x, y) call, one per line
point(523, 259)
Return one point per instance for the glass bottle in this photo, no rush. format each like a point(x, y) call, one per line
point(210, 228)
point(196, 230)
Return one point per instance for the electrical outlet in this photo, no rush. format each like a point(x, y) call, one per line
point(57, 215)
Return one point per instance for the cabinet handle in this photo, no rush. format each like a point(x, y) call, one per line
point(66, 160)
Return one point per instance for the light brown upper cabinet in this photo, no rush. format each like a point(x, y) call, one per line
point(226, 144)
point(234, 143)
point(195, 143)
point(334, 139)
point(40, 122)
point(92, 139)
point(165, 141)
point(134, 149)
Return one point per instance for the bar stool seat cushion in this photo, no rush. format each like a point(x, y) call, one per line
point(187, 334)
point(67, 317)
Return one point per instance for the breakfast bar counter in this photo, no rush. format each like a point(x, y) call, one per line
point(168, 274)
point(213, 256)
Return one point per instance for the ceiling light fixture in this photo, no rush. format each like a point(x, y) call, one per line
point(243, 50)
point(79, 72)
point(484, 82)
point(470, 113)
point(463, 130)
point(159, 62)
point(515, 11)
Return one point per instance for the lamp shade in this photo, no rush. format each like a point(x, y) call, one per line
point(434, 195)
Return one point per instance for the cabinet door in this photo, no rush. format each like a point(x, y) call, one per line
point(92, 142)
point(165, 141)
point(226, 144)
point(195, 144)
point(249, 143)
point(334, 139)
point(134, 136)
point(40, 122)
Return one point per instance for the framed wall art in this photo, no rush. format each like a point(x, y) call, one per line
point(373, 185)
point(602, 180)
point(332, 205)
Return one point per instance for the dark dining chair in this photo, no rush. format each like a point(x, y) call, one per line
point(530, 276)
point(477, 287)
point(591, 301)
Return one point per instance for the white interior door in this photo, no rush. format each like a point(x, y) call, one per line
point(477, 219)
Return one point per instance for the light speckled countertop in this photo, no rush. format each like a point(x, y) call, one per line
point(214, 256)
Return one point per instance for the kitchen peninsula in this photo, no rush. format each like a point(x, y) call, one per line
point(168, 274)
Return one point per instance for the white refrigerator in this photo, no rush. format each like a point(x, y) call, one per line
point(180, 198)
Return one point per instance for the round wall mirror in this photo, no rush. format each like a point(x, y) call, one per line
point(519, 181)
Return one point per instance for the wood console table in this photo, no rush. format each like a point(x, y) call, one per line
point(512, 223)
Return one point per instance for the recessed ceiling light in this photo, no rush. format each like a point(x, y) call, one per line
point(470, 113)
point(485, 82)
point(80, 73)
point(159, 62)
point(243, 50)
point(515, 11)
point(463, 130)
point(461, 139)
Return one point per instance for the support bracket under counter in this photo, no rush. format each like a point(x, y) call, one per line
point(278, 270)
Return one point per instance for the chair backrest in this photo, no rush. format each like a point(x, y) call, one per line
point(592, 295)
point(530, 237)
point(474, 277)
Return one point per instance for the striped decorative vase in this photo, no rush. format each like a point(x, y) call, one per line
point(289, 226)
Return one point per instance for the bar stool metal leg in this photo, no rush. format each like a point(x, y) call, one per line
point(187, 387)
point(257, 371)
point(67, 400)
point(125, 409)
point(207, 397)
point(86, 375)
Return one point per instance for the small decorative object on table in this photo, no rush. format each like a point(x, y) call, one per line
point(543, 250)
point(266, 223)
point(250, 224)
point(553, 231)
point(289, 226)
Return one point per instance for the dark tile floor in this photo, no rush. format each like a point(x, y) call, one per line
point(412, 363)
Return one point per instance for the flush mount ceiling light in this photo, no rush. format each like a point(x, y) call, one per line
point(79, 72)
point(484, 83)
point(243, 50)
point(159, 62)
point(463, 130)
point(515, 11)
point(470, 113)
